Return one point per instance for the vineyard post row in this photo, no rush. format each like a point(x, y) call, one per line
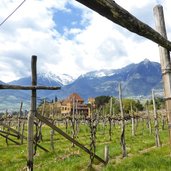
point(115, 13)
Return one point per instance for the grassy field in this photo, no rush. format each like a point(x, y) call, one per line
point(142, 153)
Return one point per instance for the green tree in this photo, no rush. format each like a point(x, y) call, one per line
point(160, 103)
point(101, 101)
point(56, 98)
point(127, 103)
point(115, 106)
point(139, 106)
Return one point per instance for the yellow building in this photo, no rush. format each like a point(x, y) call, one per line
point(73, 104)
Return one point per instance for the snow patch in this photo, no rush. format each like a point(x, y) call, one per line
point(64, 79)
point(100, 73)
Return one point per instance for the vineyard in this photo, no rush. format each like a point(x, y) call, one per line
point(128, 140)
point(99, 141)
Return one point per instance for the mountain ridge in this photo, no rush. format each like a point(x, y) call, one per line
point(136, 79)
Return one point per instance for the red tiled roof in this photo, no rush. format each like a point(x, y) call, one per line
point(75, 96)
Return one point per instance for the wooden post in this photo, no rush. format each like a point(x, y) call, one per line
point(136, 120)
point(31, 115)
point(19, 117)
point(6, 114)
point(112, 11)
point(110, 120)
point(77, 119)
point(165, 62)
point(156, 125)
point(132, 120)
point(22, 132)
point(8, 131)
point(52, 131)
point(110, 112)
point(148, 119)
point(163, 121)
point(123, 144)
point(52, 140)
point(106, 154)
point(73, 120)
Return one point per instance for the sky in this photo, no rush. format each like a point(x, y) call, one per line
point(68, 38)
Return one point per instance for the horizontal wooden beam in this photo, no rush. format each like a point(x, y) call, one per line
point(6, 137)
point(8, 133)
point(111, 10)
point(11, 129)
point(18, 87)
point(20, 135)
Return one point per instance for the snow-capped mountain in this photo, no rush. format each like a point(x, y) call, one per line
point(137, 80)
point(45, 79)
point(1, 82)
point(48, 79)
point(99, 73)
point(64, 79)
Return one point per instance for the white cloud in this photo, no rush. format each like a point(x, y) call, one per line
point(99, 44)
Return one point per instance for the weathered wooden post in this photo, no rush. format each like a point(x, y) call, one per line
point(110, 120)
point(93, 122)
point(106, 154)
point(52, 131)
point(73, 121)
point(31, 115)
point(132, 120)
point(21, 123)
point(148, 119)
point(41, 123)
point(163, 121)
point(123, 144)
point(110, 111)
point(77, 119)
point(19, 116)
point(6, 114)
point(22, 132)
point(165, 62)
point(156, 125)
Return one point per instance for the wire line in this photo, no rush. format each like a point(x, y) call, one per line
point(12, 13)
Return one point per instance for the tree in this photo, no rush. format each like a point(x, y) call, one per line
point(104, 101)
point(139, 106)
point(56, 99)
point(127, 103)
point(160, 103)
point(101, 100)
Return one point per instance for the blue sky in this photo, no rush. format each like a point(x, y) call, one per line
point(70, 38)
point(68, 19)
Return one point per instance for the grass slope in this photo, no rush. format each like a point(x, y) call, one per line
point(141, 154)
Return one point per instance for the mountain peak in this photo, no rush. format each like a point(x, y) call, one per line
point(64, 79)
point(146, 61)
point(99, 73)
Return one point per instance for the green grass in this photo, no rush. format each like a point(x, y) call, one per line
point(68, 158)
point(155, 160)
